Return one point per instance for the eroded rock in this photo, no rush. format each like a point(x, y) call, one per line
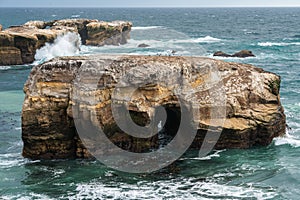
point(35, 34)
point(54, 98)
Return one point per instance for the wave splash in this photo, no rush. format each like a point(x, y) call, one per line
point(64, 45)
point(287, 140)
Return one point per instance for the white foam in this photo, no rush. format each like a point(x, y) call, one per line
point(216, 154)
point(145, 27)
point(75, 16)
point(287, 140)
point(269, 44)
point(64, 45)
point(169, 189)
point(4, 67)
point(206, 39)
point(29, 196)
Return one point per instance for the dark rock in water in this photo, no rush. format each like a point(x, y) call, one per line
point(243, 54)
point(35, 34)
point(253, 111)
point(143, 45)
point(221, 54)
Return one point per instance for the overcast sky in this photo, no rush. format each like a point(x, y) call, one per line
point(148, 3)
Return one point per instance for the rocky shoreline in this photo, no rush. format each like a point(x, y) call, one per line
point(18, 44)
point(253, 111)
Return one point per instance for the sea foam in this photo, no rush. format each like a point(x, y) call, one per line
point(64, 45)
point(206, 39)
point(145, 27)
point(270, 44)
point(287, 140)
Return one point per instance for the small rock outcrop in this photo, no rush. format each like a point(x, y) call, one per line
point(222, 54)
point(0, 27)
point(240, 54)
point(254, 115)
point(243, 54)
point(35, 34)
point(143, 45)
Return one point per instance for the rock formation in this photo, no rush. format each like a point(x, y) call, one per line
point(0, 27)
point(34, 34)
point(60, 90)
point(240, 54)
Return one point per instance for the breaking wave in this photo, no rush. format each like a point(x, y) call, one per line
point(287, 140)
point(206, 39)
point(270, 44)
point(64, 45)
point(145, 27)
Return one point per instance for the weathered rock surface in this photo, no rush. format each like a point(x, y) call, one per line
point(35, 34)
point(240, 54)
point(10, 55)
point(254, 115)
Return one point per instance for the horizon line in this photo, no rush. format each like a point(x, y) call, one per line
point(222, 6)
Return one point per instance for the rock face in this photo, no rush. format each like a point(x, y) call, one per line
point(35, 34)
point(10, 55)
point(253, 112)
point(240, 54)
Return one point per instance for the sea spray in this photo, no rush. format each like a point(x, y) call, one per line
point(64, 45)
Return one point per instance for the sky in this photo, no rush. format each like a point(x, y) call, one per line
point(149, 3)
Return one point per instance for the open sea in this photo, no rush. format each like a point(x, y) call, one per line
point(272, 172)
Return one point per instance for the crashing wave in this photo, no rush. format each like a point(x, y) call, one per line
point(270, 44)
point(64, 45)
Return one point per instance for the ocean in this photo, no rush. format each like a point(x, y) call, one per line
point(270, 172)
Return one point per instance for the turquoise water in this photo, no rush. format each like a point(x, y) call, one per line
point(260, 173)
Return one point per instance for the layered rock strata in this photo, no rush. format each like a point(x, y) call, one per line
point(239, 101)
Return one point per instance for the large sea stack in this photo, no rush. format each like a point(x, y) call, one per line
point(253, 112)
point(18, 44)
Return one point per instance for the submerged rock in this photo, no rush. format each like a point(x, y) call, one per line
point(253, 114)
point(35, 34)
point(143, 45)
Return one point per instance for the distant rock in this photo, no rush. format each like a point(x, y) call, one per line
point(0, 27)
point(240, 54)
point(221, 54)
point(243, 54)
point(143, 45)
point(35, 34)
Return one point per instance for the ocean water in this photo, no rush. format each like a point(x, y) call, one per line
point(270, 172)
